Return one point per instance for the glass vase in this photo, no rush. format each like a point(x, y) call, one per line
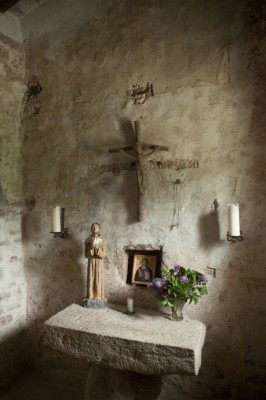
point(177, 310)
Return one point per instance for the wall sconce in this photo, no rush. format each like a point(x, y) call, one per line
point(234, 233)
point(58, 228)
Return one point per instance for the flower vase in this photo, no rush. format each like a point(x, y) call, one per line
point(177, 310)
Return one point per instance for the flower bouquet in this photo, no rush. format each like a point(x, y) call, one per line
point(177, 286)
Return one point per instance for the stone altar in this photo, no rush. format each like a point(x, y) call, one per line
point(126, 349)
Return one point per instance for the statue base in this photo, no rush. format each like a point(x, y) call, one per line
point(95, 303)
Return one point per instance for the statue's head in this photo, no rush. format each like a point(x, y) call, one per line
point(95, 228)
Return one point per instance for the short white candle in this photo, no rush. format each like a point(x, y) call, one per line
point(130, 305)
point(233, 220)
point(56, 219)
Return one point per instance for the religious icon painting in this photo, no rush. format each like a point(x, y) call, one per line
point(144, 269)
point(143, 266)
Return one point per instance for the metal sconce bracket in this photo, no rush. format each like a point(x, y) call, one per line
point(213, 271)
point(130, 313)
point(234, 239)
point(62, 234)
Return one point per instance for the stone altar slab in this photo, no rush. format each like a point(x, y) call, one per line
point(146, 343)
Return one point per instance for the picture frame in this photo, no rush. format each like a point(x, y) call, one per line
point(143, 267)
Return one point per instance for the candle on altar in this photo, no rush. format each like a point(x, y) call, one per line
point(233, 220)
point(56, 219)
point(130, 305)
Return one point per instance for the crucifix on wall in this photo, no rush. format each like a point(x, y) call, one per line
point(139, 154)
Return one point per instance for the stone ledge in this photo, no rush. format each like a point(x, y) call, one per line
point(146, 342)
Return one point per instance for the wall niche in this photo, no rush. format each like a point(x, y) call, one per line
point(144, 264)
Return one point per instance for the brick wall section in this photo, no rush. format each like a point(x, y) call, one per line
point(12, 278)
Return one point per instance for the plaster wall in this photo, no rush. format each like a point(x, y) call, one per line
point(206, 61)
point(12, 278)
point(10, 26)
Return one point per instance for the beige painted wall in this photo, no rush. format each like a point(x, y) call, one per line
point(205, 60)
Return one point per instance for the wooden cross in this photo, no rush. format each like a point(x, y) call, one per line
point(142, 152)
point(140, 164)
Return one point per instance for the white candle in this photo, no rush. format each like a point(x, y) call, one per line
point(130, 305)
point(56, 219)
point(233, 220)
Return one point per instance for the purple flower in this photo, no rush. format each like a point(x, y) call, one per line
point(158, 283)
point(203, 279)
point(183, 279)
point(165, 289)
point(177, 268)
point(190, 292)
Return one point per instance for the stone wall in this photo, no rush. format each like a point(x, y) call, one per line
point(12, 277)
point(206, 63)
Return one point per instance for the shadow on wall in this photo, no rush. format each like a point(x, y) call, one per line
point(54, 274)
point(209, 230)
point(12, 355)
point(128, 189)
point(56, 277)
point(130, 195)
point(127, 129)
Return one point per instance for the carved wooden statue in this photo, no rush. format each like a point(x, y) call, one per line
point(95, 251)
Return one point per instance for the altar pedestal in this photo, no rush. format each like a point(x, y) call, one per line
point(131, 353)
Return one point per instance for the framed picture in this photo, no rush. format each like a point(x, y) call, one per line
point(144, 266)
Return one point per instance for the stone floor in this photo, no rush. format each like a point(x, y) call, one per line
point(44, 386)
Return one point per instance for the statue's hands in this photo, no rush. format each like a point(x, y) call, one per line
point(93, 246)
point(96, 243)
